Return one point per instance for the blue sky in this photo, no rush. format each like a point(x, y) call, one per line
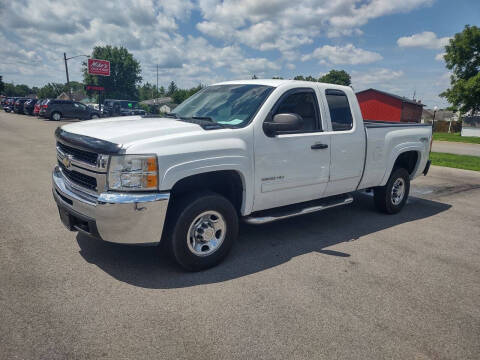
point(391, 45)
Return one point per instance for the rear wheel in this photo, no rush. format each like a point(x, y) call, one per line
point(201, 230)
point(392, 197)
point(55, 116)
point(94, 116)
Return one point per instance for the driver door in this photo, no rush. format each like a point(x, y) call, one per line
point(292, 167)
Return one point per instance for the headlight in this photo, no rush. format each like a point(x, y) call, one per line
point(133, 173)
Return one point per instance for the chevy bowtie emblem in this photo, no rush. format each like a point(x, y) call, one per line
point(67, 161)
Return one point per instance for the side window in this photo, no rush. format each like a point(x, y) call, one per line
point(303, 103)
point(340, 113)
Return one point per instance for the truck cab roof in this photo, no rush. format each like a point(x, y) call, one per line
point(282, 82)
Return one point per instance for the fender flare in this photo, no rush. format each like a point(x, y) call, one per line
point(397, 151)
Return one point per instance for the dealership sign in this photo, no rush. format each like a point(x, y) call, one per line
point(99, 67)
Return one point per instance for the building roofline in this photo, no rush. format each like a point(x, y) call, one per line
point(403, 99)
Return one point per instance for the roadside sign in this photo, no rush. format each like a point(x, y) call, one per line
point(99, 67)
point(94, 88)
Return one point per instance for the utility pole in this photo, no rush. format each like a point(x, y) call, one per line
point(157, 82)
point(66, 72)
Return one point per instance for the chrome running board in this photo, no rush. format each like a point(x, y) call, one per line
point(284, 212)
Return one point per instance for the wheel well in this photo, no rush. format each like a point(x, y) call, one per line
point(226, 182)
point(407, 160)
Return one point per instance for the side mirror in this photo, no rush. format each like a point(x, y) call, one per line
point(283, 123)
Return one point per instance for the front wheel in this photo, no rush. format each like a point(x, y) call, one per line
point(94, 116)
point(201, 230)
point(392, 197)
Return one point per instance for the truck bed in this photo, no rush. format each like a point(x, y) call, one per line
point(385, 141)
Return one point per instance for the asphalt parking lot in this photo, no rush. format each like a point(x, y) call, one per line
point(345, 283)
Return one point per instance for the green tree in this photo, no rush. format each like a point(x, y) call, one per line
point(172, 87)
point(462, 57)
point(161, 91)
point(147, 91)
point(124, 76)
point(181, 95)
point(299, 77)
point(339, 77)
point(51, 90)
point(2, 85)
point(10, 89)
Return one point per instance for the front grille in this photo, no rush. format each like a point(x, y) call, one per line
point(82, 155)
point(86, 181)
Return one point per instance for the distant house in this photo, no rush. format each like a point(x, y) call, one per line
point(167, 108)
point(76, 96)
point(471, 126)
point(377, 105)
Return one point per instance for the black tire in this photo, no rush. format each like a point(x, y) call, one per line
point(181, 218)
point(94, 116)
point(386, 200)
point(54, 114)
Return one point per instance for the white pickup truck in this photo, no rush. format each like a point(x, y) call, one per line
point(256, 150)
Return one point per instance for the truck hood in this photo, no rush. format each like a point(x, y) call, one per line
point(129, 129)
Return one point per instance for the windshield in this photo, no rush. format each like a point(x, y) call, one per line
point(233, 105)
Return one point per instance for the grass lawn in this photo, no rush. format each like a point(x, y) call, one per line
point(456, 138)
point(466, 162)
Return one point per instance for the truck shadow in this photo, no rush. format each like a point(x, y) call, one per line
point(258, 247)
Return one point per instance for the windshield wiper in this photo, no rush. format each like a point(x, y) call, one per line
point(206, 118)
point(172, 115)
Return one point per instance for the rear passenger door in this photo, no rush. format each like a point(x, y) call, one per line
point(347, 142)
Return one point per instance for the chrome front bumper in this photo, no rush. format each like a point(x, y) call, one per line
point(116, 217)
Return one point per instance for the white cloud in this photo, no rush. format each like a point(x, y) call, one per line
point(285, 25)
point(426, 39)
point(378, 77)
point(42, 30)
point(247, 35)
point(439, 57)
point(340, 55)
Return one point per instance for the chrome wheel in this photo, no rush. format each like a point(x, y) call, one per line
point(398, 191)
point(206, 233)
point(56, 116)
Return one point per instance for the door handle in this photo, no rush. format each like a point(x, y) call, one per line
point(319, 146)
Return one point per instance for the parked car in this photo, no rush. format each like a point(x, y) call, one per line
point(29, 106)
point(57, 109)
point(38, 105)
point(259, 150)
point(9, 104)
point(112, 107)
point(18, 107)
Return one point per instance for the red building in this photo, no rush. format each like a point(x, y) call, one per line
point(379, 105)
